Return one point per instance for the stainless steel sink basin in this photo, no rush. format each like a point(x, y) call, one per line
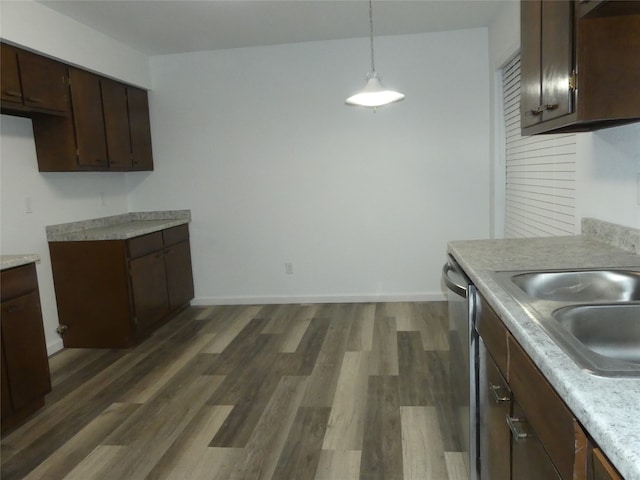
point(581, 286)
point(592, 315)
point(612, 331)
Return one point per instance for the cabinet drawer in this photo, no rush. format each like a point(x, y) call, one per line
point(175, 235)
point(145, 244)
point(493, 333)
point(18, 281)
point(545, 411)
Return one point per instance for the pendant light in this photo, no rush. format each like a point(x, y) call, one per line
point(373, 94)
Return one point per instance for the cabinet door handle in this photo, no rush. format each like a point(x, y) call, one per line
point(11, 309)
point(34, 99)
point(498, 397)
point(542, 108)
point(12, 93)
point(514, 425)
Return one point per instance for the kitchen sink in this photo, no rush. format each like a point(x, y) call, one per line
point(593, 315)
point(612, 331)
point(581, 286)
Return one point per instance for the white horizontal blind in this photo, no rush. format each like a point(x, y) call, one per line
point(540, 172)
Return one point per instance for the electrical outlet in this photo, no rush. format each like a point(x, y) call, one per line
point(288, 268)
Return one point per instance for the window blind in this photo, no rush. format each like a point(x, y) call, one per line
point(540, 172)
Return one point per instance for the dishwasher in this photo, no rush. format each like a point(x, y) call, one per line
point(463, 354)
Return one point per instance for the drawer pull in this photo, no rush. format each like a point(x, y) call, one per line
point(516, 431)
point(497, 395)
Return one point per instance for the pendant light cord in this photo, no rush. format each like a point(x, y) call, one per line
point(373, 67)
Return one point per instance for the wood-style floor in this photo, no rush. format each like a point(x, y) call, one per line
point(317, 392)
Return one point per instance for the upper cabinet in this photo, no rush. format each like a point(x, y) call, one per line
point(32, 83)
point(99, 125)
point(579, 65)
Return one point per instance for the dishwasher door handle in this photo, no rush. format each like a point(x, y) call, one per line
point(459, 288)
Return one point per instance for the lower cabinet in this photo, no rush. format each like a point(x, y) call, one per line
point(526, 431)
point(494, 407)
point(25, 366)
point(121, 290)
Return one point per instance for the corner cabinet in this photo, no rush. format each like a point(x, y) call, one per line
point(526, 430)
point(579, 65)
point(122, 290)
point(25, 366)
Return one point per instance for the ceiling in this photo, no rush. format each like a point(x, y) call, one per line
point(157, 27)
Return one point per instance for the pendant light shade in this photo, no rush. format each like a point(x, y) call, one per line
point(373, 94)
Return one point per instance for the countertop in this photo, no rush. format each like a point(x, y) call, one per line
point(11, 261)
point(117, 227)
point(608, 408)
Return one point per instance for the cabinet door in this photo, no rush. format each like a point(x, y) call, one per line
point(10, 79)
point(5, 401)
point(149, 286)
point(25, 350)
point(138, 103)
point(530, 74)
point(179, 276)
point(116, 122)
point(546, 60)
point(556, 58)
point(44, 82)
point(88, 119)
point(495, 406)
point(601, 468)
point(529, 459)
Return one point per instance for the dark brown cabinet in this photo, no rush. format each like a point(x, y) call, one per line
point(88, 119)
point(495, 407)
point(600, 468)
point(32, 83)
point(108, 129)
point(123, 289)
point(529, 459)
point(579, 65)
point(546, 61)
point(81, 121)
point(25, 366)
point(140, 129)
point(526, 431)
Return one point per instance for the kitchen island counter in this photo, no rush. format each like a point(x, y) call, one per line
point(608, 408)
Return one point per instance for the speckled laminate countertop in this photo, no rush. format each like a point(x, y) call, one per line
point(118, 227)
point(11, 261)
point(608, 408)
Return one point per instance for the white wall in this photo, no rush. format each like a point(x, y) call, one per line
point(55, 198)
point(608, 160)
point(31, 25)
point(258, 143)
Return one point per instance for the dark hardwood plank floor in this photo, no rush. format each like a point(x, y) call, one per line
point(304, 392)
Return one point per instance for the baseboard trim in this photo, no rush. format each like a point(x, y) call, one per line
point(287, 299)
point(54, 347)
